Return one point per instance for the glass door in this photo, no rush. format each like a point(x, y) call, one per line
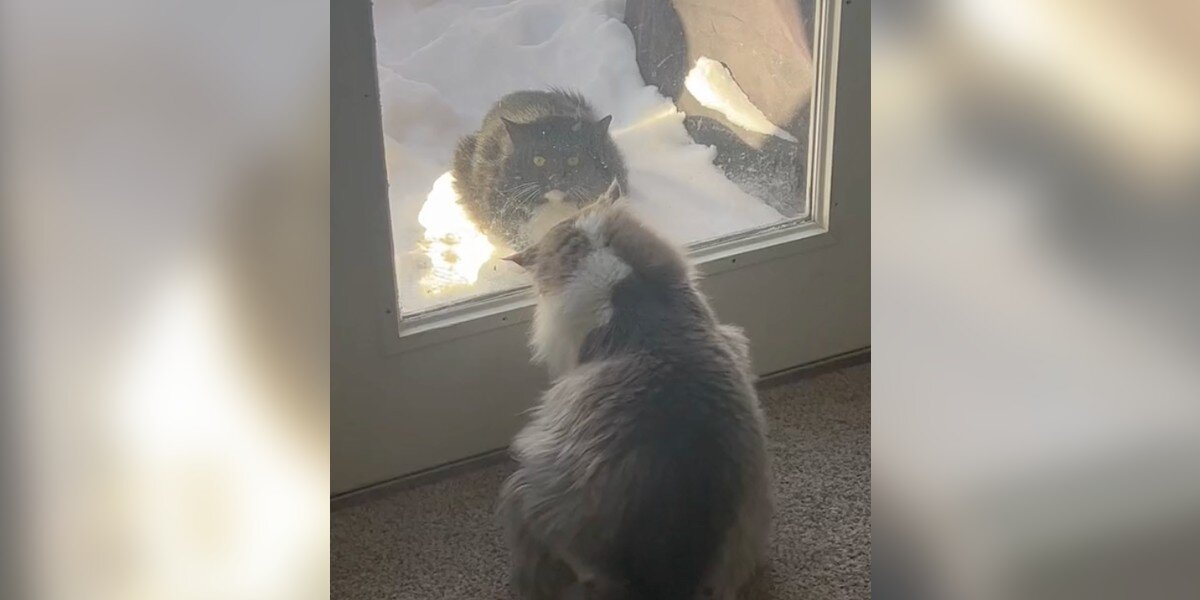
point(464, 128)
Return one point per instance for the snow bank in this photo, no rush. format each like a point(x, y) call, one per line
point(711, 83)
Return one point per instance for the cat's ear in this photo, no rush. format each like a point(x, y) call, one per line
point(515, 130)
point(612, 194)
point(602, 124)
point(524, 258)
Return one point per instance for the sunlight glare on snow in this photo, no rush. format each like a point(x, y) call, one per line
point(455, 246)
point(711, 83)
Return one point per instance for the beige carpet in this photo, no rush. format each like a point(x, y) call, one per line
point(439, 541)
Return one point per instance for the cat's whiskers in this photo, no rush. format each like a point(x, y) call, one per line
point(523, 192)
point(577, 193)
point(533, 195)
point(517, 191)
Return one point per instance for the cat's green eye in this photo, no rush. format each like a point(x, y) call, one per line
point(539, 160)
point(573, 161)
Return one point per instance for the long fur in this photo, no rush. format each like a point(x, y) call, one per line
point(560, 328)
point(643, 472)
point(500, 186)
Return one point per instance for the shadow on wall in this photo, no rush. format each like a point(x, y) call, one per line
point(766, 45)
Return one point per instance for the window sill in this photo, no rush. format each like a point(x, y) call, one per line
point(473, 316)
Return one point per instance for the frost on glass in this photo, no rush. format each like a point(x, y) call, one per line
point(714, 144)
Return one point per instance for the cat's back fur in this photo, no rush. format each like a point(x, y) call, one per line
point(643, 472)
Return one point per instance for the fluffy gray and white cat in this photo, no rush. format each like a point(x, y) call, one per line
point(534, 148)
point(643, 472)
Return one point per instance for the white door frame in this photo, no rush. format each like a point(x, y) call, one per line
point(408, 396)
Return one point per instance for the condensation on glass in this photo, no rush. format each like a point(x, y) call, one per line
point(710, 111)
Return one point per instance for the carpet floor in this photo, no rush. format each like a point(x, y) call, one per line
point(440, 541)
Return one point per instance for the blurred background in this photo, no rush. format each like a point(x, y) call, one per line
point(1035, 262)
point(165, 299)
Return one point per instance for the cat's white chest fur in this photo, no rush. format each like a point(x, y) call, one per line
point(552, 212)
point(563, 319)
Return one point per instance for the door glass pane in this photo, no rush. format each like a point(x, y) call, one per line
point(708, 131)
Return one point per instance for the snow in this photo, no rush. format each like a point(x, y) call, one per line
point(711, 83)
point(456, 249)
point(443, 64)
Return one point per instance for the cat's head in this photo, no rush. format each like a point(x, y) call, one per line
point(557, 159)
point(579, 266)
